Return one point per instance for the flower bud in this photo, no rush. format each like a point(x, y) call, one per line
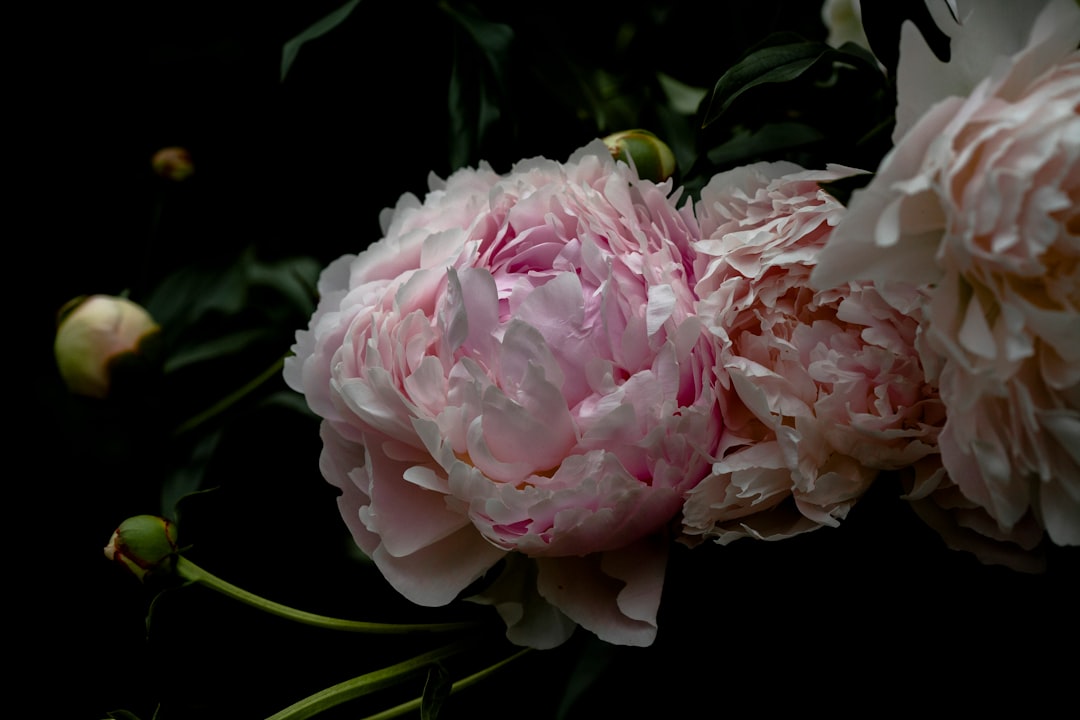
point(143, 544)
point(173, 163)
point(98, 334)
point(652, 157)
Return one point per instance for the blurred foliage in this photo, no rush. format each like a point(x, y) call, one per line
point(303, 121)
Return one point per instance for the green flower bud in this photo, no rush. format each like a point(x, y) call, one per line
point(652, 157)
point(97, 335)
point(144, 544)
point(173, 163)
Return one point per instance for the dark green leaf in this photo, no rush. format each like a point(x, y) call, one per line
point(320, 27)
point(289, 400)
point(436, 690)
point(858, 56)
point(682, 98)
point(490, 38)
point(593, 661)
point(774, 64)
point(477, 84)
point(187, 477)
point(768, 142)
point(213, 348)
point(188, 294)
point(209, 312)
point(295, 279)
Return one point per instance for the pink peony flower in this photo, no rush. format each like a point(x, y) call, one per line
point(824, 389)
point(980, 198)
point(967, 527)
point(515, 373)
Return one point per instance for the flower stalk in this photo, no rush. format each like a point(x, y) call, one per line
point(229, 400)
point(461, 684)
point(368, 683)
point(191, 572)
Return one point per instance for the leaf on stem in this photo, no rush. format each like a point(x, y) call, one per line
point(436, 690)
point(320, 27)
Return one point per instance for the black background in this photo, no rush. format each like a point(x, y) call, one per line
point(874, 615)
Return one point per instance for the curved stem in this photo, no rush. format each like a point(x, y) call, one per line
point(193, 573)
point(461, 684)
point(365, 684)
point(231, 399)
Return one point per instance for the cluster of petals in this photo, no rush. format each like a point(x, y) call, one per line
point(980, 199)
point(820, 389)
point(516, 390)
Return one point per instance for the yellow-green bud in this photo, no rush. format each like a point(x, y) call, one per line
point(95, 335)
point(173, 163)
point(144, 544)
point(652, 157)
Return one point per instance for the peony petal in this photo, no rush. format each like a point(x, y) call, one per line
point(660, 307)
point(530, 619)
point(434, 575)
point(975, 335)
point(406, 516)
point(535, 428)
point(580, 588)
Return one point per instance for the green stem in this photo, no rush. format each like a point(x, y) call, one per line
point(461, 684)
point(365, 684)
point(229, 400)
point(193, 573)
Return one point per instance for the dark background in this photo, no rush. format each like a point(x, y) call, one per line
point(877, 613)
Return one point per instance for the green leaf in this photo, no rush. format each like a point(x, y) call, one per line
point(320, 27)
point(491, 38)
point(187, 477)
point(209, 312)
point(477, 84)
point(295, 279)
point(769, 141)
point(436, 691)
point(856, 55)
point(289, 400)
point(773, 64)
point(213, 348)
point(682, 98)
point(189, 293)
point(369, 683)
point(595, 658)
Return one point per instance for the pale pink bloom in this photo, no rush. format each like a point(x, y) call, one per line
point(966, 526)
point(515, 372)
point(823, 389)
point(94, 334)
point(980, 198)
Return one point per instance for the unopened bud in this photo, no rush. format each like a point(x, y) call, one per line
point(652, 157)
point(173, 163)
point(144, 544)
point(97, 335)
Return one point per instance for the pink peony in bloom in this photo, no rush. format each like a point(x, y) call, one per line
point(823, 389)
point(515, 373)
point(980, 198)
